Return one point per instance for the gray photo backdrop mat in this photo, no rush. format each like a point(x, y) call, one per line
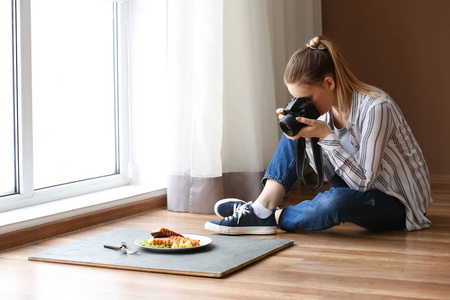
point(225, 255)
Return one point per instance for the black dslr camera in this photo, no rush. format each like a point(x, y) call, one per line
point(298, 107)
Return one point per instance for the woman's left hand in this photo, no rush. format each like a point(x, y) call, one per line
point(314, 128)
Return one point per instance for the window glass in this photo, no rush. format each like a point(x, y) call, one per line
point(74, 136)
point(7, 171)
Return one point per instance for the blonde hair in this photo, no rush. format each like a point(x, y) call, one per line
point(319, 59)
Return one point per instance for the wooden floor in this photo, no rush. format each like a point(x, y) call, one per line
point(345, 262)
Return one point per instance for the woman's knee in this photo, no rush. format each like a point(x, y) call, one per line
point(336, 198)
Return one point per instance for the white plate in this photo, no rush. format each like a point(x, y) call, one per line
point(204, 241)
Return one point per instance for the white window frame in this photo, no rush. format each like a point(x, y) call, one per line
point(26, 194)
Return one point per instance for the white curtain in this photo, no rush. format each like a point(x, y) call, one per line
point(225, 62)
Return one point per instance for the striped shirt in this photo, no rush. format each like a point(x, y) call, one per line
point(387, 157)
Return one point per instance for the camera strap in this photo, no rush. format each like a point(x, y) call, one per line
point(302, 161)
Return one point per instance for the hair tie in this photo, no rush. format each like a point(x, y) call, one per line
point(315, 44)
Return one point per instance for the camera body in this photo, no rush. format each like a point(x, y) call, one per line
point(298, 107)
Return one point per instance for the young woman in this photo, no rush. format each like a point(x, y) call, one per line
point(379, 177)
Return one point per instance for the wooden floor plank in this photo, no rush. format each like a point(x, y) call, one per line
point(345, 262)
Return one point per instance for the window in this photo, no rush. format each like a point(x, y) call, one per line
point(7, 163)
point(74, 132)
point(63, 124)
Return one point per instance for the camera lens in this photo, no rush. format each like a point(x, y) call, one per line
point(289, 125)
point(286, 129)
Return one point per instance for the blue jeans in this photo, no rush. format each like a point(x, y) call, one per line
point(372, 209)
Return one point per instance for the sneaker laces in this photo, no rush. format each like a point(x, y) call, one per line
point(236, 207)
point(239, 211)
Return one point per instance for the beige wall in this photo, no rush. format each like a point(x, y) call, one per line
point(403, 47)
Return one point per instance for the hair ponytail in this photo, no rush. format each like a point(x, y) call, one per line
point(320, 59)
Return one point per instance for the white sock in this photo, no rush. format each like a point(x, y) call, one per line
point(260, 211)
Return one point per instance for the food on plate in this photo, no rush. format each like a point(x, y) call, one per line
point(165, 238)
point(164, 232)
point(173, 240)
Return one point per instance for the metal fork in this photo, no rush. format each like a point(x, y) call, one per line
point(125, 250)
point(121, 249)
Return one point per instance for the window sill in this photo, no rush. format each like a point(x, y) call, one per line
point(31, 216)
